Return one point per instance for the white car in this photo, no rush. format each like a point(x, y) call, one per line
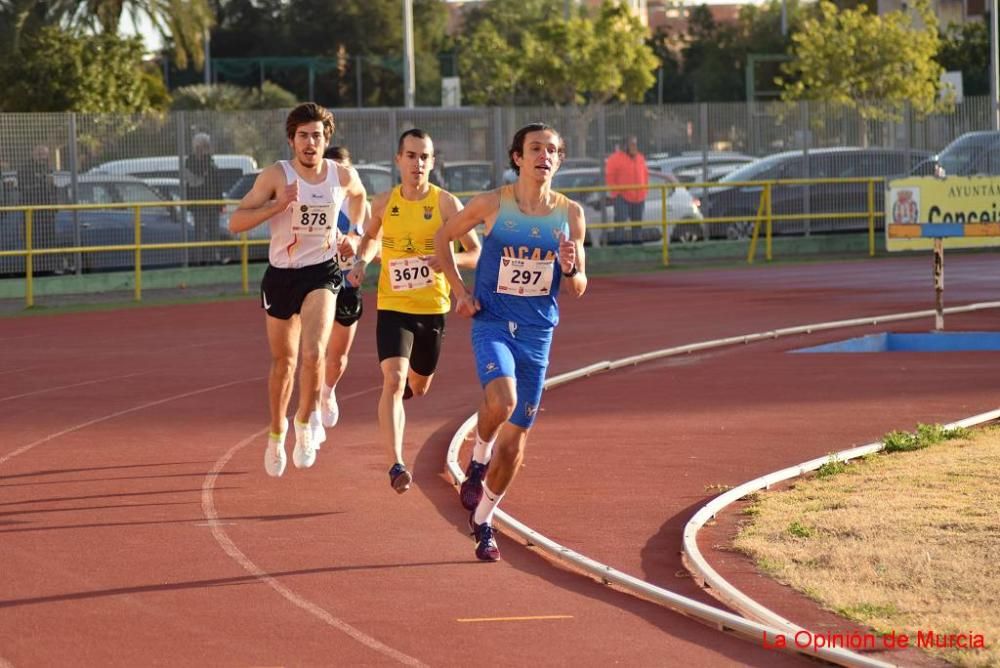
point(680, 206)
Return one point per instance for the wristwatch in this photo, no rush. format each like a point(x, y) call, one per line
point(572, 272)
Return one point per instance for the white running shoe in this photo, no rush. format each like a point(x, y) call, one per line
point(330, 410)
point(316, 424)
point(274, 457)
point(306, 445)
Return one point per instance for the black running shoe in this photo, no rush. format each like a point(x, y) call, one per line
point(472, 487)
point(400, 478)
point(486, 544)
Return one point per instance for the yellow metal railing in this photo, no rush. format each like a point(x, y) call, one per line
point(764, 217)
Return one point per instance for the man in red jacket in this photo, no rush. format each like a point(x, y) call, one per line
point(628, 168)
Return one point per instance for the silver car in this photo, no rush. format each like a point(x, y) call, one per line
point(681, 205)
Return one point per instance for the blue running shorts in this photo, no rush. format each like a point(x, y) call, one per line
point(521, 352)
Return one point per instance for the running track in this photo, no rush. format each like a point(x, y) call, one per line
point(138, 527)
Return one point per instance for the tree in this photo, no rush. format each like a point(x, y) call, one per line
point(862, 62)
point(228, 97)
point(579, 63)
point(60, 70)
point(966, 49)
point(181, 22)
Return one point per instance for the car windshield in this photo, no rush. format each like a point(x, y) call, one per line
point(755, 170)
point(241, 187)
point(137, 192)
point(375, 181)
point(962, 156)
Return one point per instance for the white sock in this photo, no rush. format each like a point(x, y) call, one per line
point(487, 506)
point(483, 451)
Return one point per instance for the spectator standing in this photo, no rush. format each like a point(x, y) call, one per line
point(36, 186)
point(628, 168)
point(203, 183)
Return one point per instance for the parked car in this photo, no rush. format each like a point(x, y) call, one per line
point(695, 166)
point(102, 227)
point(466, 176)
point(680, 206)
point(842, 162)
point(970, 154)
point(231, 167)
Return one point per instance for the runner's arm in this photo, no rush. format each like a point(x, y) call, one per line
point(268, 197)
point(571, 255)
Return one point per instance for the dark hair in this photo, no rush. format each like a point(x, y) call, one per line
point(309, 112)
point(337, 153)
point(517, 145)
point(412, 132)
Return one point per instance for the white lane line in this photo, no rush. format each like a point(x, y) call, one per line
point(149, 404)
point(227, 545)
point(72, 385)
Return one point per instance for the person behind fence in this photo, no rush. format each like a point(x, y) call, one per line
point(349, 306)
point(204, 183)
point(36, 185)
point(533, 243)
point(413, 296)
point(301, 199)
point(628, 168)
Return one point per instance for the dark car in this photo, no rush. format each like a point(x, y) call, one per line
point(100, 227)
point(814, 199)
point(971, 154)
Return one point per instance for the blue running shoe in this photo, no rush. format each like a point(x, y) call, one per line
point(472, 487)
point(486, 544)
point(400, 478)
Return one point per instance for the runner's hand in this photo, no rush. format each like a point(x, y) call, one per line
point(467, 306)
point(567, 253)
point(432, 262)
point(347, 246)
point(288, 195)
point(357, 274)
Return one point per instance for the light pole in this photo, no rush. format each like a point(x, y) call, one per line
point(994, 73)
point(409, 86)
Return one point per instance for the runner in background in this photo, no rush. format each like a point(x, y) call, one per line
point(349, 306)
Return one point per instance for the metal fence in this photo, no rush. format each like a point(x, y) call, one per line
point(53, 159)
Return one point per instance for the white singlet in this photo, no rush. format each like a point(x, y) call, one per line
point(291, 249)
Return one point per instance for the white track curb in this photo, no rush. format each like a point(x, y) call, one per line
point(721, 619)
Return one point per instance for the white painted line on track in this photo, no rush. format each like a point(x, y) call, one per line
point(237, 555)
point(72, 385)
point(149, 404)
point(721, 619)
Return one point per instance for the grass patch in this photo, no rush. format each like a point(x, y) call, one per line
point(905, 543)
point(832, 467)
point(925, 436)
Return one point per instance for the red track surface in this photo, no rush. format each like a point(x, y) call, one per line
point(125, 433)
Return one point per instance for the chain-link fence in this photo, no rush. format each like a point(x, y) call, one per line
point(53, 159)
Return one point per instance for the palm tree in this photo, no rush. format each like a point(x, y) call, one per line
point(181, 22)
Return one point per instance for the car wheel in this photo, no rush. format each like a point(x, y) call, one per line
point(687, 234)
point(740, 231)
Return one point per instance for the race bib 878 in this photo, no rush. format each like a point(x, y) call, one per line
point(313, 220)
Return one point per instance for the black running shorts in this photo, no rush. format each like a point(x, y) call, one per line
point(416, 337)
point(349, 306)
point(282, 291)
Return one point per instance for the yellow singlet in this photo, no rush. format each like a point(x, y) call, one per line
point(408, 229)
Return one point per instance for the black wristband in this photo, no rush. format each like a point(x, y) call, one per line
point(572, 272)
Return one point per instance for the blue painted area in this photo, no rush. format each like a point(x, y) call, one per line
point(942, 230)
point(931, 342)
